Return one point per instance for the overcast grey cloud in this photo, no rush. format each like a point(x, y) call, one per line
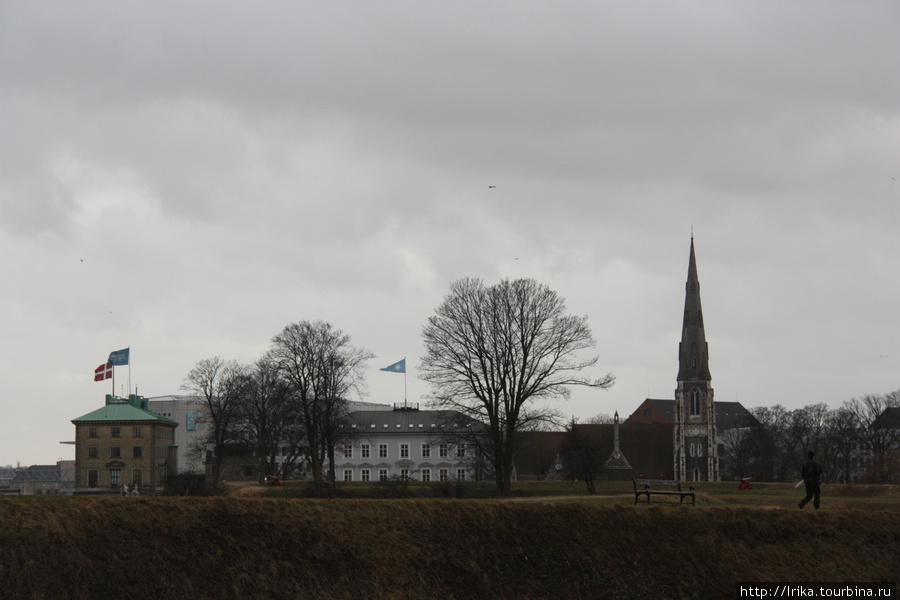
point(187, 178)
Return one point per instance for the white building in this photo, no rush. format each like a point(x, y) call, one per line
point(408, 443)
point(186, 411)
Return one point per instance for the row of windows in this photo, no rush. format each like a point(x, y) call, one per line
point(116, 432)
point(365, 451)
point(115, 477)
point(425, 474)
point(116, 452)
point(696, 449)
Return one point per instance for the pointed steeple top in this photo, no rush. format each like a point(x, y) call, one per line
point(693, 353)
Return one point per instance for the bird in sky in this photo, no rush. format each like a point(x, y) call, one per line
point(492, 186)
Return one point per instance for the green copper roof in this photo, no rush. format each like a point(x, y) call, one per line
point(122, 411)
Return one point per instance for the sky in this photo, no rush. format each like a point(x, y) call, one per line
point(185, 179)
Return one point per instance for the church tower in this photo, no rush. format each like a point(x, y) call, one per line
point(696, 454)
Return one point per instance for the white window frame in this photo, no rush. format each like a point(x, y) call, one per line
point(404, 450)
point(348, 474)
point(426, 450)
point(364, 475)
point(364, 451)
point(443, 474)
point(348, 450)
point(382, 451)
point(426, 474)
point(444, 450)
point(382, 474)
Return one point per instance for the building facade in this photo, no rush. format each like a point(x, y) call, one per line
point(124, 444)
point(410, 444)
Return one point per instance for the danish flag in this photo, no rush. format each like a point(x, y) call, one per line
point(102, 372)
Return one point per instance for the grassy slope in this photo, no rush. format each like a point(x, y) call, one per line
point(248, 547)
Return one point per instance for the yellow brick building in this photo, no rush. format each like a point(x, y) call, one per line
point(124, 445)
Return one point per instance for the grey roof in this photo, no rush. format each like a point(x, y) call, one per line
point(406, 421)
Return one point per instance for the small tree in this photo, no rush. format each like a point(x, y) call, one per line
point(490, 352)
point(217, 383)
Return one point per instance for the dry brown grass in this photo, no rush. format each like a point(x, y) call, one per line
point(559, 547)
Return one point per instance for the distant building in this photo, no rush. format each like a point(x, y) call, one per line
point(38, 479)
point(187, 411)
point(408, 443)
point(124, 444)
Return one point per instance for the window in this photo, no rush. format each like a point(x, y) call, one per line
point(364, 475)
point(93, 432)
point(692, 450)
point(364, 452)
point(699, 449)
point(461, 474)
point(137, 452)
point(93, 478)
point(426, 450)
point(695, 402)
point(115, 432)
point(93, 452)
point(444, 474)
point(444, 450)
point(348, 475)
point(115, 477)
point(426, 474)
point(382, 474)
point(404, 474)
point(382, 451)
point(461, 451)
point(404, 450)
point(137, 431)
point(115, 452)
point(137, 477)
point(348, 451)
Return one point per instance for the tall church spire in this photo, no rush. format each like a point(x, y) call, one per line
point(693, 351)
point(695, 434)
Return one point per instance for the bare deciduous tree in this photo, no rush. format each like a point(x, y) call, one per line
point(321, 369)
point(216, 382)
point(266, 414)
point(490, 352)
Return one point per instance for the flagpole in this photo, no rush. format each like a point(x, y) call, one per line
point(129, 371)
point(405, 403)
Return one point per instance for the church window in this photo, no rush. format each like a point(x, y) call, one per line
point(695, 402)
point(699, 449)
point(692, 450)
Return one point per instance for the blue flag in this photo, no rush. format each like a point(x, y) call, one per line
point(397, 367)
point(119, 357)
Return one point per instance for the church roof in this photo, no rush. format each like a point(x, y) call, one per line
point(729, 415)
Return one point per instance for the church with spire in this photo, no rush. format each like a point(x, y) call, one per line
point(662, 438)
point(696, 456)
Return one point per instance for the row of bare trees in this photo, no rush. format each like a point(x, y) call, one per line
point(492, 353)
point(855, 442)
point(287, 408)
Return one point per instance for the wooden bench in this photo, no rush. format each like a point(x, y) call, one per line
point(650, 487)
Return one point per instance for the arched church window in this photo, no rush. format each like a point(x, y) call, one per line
point(692, 450)
point(699, 449)
point(695, 402)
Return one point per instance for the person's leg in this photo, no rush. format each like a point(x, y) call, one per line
point(816, 493)
point(809, 495)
